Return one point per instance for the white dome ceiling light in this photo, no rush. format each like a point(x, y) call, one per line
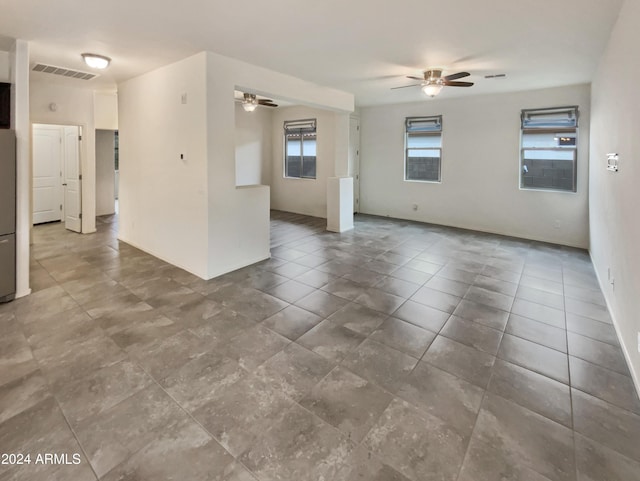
point(96, 61)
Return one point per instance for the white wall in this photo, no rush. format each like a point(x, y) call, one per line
point(191, 212)
point(74, 107)
point(163, 199)
point(239, 217)
point(480, 167)
point(5, 66)
point(303, 196)
point(105, 172)
point(615, 197)
point(253, 146)
point(105, 106)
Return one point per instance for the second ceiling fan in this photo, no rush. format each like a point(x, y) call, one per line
point(433, 81)
point(250, 102)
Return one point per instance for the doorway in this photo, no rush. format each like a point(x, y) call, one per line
point(106, 172)
point(354, 160)
point(56, 175)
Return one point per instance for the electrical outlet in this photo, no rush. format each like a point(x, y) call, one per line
point(414, 206)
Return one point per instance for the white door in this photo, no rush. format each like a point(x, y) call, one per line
point(72, 179)
point(47, 173)
point(354, 160)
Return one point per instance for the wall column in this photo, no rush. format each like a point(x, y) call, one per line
point(22, 127)
point(340, 187)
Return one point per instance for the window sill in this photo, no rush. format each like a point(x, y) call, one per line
point(556, 191)
point(424, 181)
point(299, 178)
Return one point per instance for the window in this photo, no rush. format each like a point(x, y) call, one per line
point(423, 148)
point(548, 149)
point(300, 149)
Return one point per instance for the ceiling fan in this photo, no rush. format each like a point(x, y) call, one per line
point(250, 102)
point(433, 81)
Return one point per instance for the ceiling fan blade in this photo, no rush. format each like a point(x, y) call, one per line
point(458, 84)
point(415, 78)
point(269, 105)
point(405, 86)
point(455, 76)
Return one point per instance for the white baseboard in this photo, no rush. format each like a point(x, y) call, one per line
point(625, 352)
point(23, 293)
point(206, 278)
point(149, 251)
point(236, 267)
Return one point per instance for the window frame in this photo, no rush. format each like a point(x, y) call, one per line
point(299, 128)
point(571, 126)
point(437, 131)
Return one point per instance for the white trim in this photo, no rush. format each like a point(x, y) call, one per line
point(241, 265)
point(234, 268)
point(334, 228)
point(634, 375)
point(150, 252)
point(24, 293)
point(476, 229)
point(424, 181)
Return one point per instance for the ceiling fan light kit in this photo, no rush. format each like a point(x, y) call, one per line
point(250, 102)
point(432, 89)
point(249, 105)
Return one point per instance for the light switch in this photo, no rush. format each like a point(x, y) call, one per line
point(612, 162)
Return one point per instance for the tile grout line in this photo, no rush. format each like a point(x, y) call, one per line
point(573, 432)
point(293, 402)
point(74, 434)
point(484, 395)
point(215, 438)
point(475, 423)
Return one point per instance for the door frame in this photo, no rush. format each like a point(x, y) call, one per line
point(356, 165)
point(54, 131)
point(82, 129)
point(76, 132)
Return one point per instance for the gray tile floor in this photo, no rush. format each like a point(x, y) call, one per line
point(397, 351)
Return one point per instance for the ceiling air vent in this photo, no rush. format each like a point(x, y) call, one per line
point(64, 72)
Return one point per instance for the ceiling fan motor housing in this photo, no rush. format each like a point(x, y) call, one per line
point(433, 77)
point(433, 74)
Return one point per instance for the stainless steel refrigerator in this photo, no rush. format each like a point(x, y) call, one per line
point(7, 215)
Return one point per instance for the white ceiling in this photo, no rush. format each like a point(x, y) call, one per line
point(360, 46)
